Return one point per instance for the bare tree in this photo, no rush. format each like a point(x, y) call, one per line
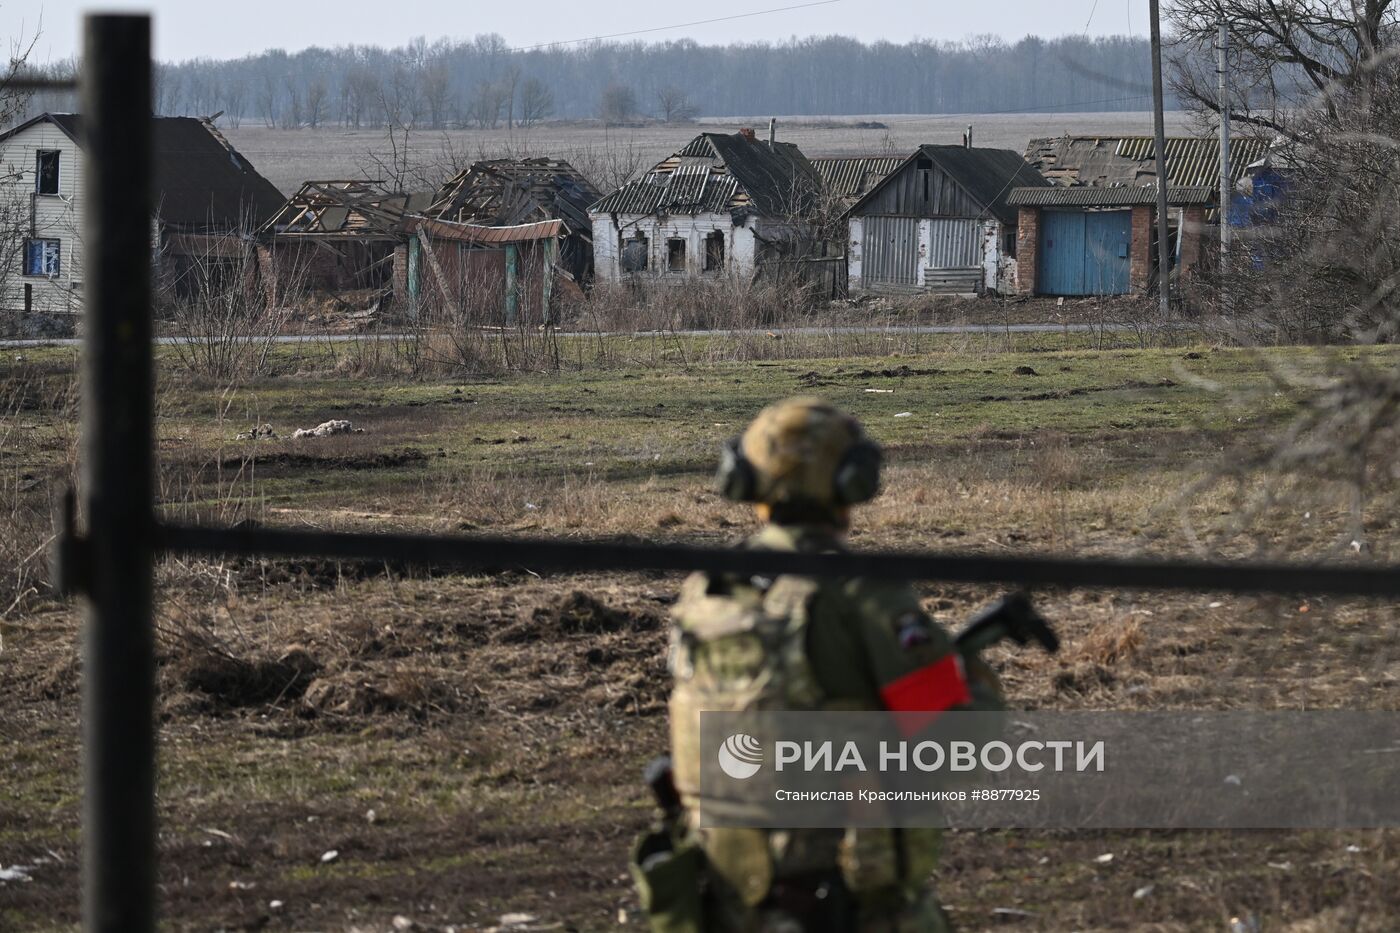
point(618, 104)
point(536, 102)
point(437, 92)
point(316, 94)
point(485, 107)
point(1287, 55)
point(267, 99)
point(675, 105)
point(510, 80)
point(235, 97)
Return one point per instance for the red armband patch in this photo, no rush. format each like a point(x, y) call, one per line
point(930, 690)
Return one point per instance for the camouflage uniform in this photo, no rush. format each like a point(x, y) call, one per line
point(802, 644)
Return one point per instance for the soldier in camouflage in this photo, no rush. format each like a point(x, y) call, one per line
point(749, 643)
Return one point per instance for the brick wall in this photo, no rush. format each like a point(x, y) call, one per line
point(1140, 251)
point(1027, 243)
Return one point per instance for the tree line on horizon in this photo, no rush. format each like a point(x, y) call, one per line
point(483, 82)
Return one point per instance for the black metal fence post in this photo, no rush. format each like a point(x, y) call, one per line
point(118, 669)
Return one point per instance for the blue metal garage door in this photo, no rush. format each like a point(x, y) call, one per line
point(1084, 253)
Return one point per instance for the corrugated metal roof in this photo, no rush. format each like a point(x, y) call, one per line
point(848, 178)
point(1121, 196)
point(481, 233)
point(716, 173)
point(1192, 161)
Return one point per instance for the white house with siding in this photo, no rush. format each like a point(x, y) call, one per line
point(204, 190)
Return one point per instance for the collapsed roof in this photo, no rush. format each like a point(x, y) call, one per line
point(1107, 161)
point(511, 192)
point(719, 173)
point(344, 210)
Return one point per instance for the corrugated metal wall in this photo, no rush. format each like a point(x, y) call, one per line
point(891, 250)
point(953, 244)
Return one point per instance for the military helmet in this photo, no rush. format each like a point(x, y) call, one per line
point(803, 453)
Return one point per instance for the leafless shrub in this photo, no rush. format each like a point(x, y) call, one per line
point(218, 308)
point(27, 493)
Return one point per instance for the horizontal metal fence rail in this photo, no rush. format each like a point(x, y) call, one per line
point(460, 551)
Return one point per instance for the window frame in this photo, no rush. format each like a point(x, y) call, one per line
point(39, 155)
point(672, 242)
point(638, 238)
point(28, 244)
point(715, 236)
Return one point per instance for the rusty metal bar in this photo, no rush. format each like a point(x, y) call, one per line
point(114, 560)
point(459, 551)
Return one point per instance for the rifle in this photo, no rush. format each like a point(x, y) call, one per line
point(662, 781)
point(1010, 617)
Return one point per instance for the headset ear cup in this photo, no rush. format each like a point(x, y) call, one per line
point(858, 476)
point(736, 479)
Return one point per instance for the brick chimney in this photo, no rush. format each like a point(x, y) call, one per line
point(747, 133)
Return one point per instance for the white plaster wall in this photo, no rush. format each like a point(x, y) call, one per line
point(921, 263)
point(53, 217)
point(991, 253)
point(610, 229)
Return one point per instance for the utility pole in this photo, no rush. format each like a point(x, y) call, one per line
point(1222, 79)
point(1159, 131)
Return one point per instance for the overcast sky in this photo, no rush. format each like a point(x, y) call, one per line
point(195, 28)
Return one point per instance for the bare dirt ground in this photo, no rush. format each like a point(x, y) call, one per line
point(289, 157)
point(470, 745)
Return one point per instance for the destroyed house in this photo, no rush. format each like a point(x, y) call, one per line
point(208, 198)
point(722, 205)
point(335, 237)
point(520, 194)
point(939, 222)
point(1094, 233)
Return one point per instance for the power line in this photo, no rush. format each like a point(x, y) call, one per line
point(698, 22)
point(1092, 10)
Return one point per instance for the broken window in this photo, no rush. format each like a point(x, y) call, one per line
point(714, 251)
point(675, 255)
point(46, 171)
point(634, 253)
point(1008, 244)
point(41, 257)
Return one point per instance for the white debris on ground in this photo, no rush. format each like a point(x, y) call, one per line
point(327, 428)
point(16, 873)
point(261, 432)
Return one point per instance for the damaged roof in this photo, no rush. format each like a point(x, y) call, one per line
point(344, 210)
point(201, 181)
point(848, 178)
point(719, 173)
point(1105, 161)
point(987, 175)
point(510, 192)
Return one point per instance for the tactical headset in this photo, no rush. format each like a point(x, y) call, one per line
point(856, 480)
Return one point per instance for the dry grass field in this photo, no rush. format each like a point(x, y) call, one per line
point(289, 157)
point(470, 744)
